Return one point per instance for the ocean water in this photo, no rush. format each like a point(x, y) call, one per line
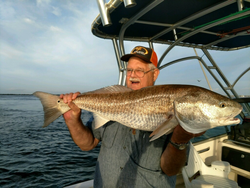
point(32, 156)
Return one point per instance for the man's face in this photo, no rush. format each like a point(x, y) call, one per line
point(133, 81)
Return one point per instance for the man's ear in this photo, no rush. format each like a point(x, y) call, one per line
point(156, 73)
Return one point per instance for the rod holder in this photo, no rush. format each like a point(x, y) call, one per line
point(129, 3)
point(105, 17)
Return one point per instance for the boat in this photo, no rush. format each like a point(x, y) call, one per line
point(220, 25)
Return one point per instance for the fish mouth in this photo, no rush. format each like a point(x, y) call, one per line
point(232, 119)
point(229, 121)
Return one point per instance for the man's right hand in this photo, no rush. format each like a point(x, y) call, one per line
point(82, 136)
point(72, 116)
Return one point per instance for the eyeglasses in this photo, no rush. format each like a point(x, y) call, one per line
point(139, 73)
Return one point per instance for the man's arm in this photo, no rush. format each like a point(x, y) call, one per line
point(173, 159)
point(81, 135)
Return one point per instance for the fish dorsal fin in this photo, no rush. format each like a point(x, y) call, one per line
point(99, 121)
point(110, 89)
point(116, 89)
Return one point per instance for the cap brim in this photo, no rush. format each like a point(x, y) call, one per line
point(128, 56)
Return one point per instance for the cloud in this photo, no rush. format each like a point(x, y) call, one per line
point(48, 45)
point(40, 3)
point(56, 11)
point(27, 20)
point(55, 29)
point(6, 11)
point(9, 52)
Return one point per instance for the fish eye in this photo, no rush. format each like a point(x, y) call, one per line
point(222, 105)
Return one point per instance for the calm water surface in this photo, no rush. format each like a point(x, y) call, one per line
point(32, 156)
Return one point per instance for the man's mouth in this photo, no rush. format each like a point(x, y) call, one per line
point(134, 81)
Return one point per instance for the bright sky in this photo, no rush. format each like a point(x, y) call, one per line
point(47, 45)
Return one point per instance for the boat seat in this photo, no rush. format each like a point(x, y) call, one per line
point(198, 175)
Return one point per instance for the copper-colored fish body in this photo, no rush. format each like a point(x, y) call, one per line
point(156, 108)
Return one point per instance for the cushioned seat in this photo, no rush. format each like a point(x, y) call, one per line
point(206, 177)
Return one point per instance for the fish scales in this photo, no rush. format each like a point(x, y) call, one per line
point(143, 109)
point(155, 108)
point(140, 108)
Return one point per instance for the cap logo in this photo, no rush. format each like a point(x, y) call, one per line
point(139, 50)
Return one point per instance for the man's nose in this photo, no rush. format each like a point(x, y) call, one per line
point(133, 74)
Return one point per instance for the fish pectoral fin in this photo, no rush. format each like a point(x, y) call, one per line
point(99, 120)
point(165, 128)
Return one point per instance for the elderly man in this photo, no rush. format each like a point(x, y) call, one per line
point(127, 158)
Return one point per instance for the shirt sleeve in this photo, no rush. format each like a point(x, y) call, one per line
point(96, 132)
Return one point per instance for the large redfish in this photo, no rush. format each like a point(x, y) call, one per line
point(156, 108)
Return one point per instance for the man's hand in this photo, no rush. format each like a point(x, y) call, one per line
point(73, 115)
point(181, 136)
point(172, 159)
point(82, 136)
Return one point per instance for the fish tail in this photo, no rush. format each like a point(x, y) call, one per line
point(50, 107)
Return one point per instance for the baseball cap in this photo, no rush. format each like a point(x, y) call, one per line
point(146, 54)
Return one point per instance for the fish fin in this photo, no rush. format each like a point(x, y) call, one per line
point(185, 120)
point(110, 89)
point(50, 107)
point(165, 128)
point(117, 88)
point(99, 120)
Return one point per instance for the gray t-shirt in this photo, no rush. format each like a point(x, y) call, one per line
point(128, 159)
